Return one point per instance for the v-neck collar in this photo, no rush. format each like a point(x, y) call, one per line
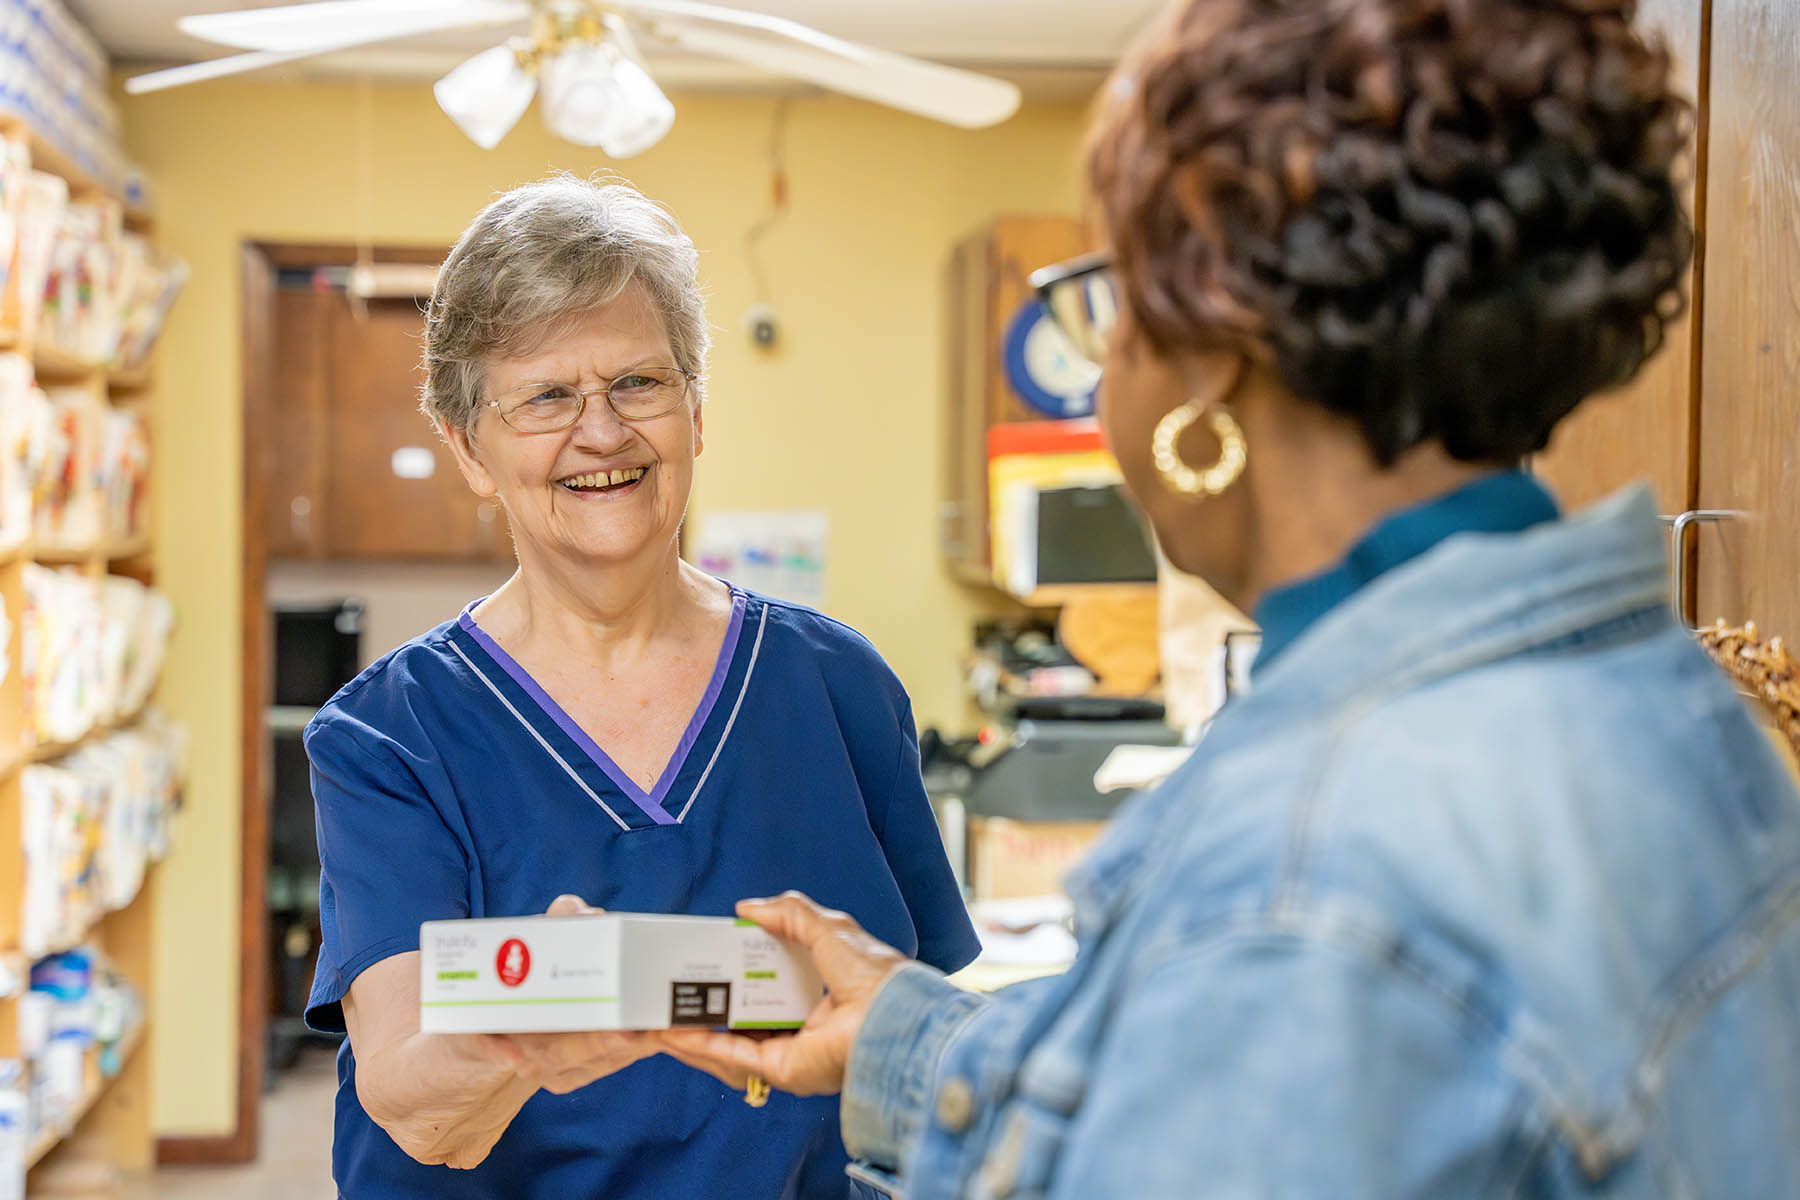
point(651, 802)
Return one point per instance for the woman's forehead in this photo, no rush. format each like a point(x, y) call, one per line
point(629, 331)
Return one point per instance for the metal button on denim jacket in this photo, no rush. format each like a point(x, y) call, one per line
point(1490, 888)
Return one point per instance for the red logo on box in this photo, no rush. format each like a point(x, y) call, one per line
point(513, 962)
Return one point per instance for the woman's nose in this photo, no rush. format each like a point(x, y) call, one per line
point(598, 424)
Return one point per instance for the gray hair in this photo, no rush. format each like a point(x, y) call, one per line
point(533, 262)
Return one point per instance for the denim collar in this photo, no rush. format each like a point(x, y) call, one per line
point(1505, 502)
point(1471, 599)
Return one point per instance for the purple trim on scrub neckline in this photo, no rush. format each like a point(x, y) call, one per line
point(650, 802)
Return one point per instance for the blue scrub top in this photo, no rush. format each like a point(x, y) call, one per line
point(448, 784)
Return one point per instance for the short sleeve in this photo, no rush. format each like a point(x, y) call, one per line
point(914, 848)
point(388, 861)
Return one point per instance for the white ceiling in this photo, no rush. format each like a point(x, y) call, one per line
point(1051, 47)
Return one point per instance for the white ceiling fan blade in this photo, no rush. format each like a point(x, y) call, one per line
point(345, 23)
point(776, 44)
point(213, 68)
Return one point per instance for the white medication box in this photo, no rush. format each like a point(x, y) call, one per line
point(609, 971)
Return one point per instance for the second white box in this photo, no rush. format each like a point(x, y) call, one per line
point(609, 971)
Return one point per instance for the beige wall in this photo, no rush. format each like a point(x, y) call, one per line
point(846, 417)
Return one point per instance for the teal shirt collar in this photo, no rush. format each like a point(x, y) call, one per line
point(1505, 502)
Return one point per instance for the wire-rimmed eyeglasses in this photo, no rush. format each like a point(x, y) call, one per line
point(640, 394)
point(1082, 299)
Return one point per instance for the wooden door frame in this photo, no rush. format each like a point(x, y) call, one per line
point(258, 264)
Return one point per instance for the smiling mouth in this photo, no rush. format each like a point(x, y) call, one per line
point(603, 482)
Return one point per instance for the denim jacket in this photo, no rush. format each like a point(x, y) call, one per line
point(1491, 887)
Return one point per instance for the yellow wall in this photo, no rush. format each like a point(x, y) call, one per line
point(846, 418)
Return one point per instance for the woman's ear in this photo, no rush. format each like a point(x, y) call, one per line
point(1214, 377)
point(468, 460)
point(699, 427)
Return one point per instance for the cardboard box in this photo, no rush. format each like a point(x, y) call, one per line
point(609, 971)
point(1008, 859)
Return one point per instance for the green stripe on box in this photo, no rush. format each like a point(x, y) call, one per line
point(527, 1000)
point(444, 975)
point(759, 975)
point(765, 1024)
point(744, 921)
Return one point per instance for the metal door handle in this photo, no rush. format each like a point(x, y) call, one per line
point(1678, 525)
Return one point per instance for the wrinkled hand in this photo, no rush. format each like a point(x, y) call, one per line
point(564, 1062)
point(853, 965)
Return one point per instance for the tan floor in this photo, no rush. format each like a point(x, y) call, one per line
point(296, 1147)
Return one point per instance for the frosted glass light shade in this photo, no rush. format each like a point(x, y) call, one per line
point(595, 96)
point(486, 95)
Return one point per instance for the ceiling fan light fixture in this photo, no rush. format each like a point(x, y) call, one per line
point(645, 116)
point(594, 95)
point(486, 95)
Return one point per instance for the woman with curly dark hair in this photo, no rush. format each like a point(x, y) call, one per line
point(1490, 886)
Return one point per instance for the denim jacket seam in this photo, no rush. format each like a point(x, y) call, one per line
point(1289, 893)
point(1287, 912)
point(1598, 1142)
point(1426, 658)
point(1312, 926)
point(1540, 1143)
point(899, 1035)
point(1356, 707)
point(1728, 963)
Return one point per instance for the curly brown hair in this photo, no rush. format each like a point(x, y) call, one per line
point(1448, 220)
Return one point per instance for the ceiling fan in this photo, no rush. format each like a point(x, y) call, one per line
point(583, 57)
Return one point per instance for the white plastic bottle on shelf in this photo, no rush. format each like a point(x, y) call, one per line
point(15, 1129)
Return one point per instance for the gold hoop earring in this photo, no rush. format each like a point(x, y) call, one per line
point(1234, 451)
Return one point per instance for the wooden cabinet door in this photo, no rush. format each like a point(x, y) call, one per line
point(988, 282)
point(1749, 567)
point(297, 436)
point(1644, 430)
point(393, 489)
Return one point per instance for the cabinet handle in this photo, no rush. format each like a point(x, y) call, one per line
point(950, 529)
point(300, 517)
point(1678, 525)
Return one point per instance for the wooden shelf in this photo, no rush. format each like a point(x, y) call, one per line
point(66, 555)
point(50, 751)
point(131, 547)
point(115, 550)
point(131, 379)
point(86, 934)
point(46, 156)
point(1057, 595)
point(47, 1140)
point(113, 1113)
point(56, 365)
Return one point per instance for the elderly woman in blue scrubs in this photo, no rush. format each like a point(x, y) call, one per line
point(1490, 885)
point(611, 724)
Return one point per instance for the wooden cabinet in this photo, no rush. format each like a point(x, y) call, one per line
point(356, 472)
point(296, 422)
point(1749, 453)
point(1714, 421)
point(1644, 430)
point(989, 281)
